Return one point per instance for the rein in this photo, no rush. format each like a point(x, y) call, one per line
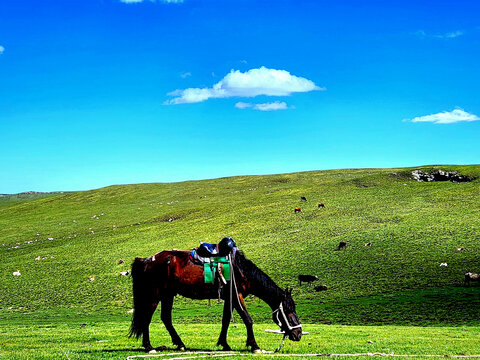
point(233, 284)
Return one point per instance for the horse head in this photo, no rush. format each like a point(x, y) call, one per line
point(286, 317)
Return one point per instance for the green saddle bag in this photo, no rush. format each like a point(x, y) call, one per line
point(210, 269)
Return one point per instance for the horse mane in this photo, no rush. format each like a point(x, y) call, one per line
point(262, 285)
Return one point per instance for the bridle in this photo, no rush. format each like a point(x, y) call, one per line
point(279, 312)
point(279, 323)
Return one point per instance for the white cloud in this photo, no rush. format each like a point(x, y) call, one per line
point(448, 35)
point(243, 105)
point(272, 106)
point(254, 82)
point(421, 33)
point(2, 49)
point(451, 35)
point(163, 1)
point(447, 117)
point(185, 74)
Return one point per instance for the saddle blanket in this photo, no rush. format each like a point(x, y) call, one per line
point(211, 266)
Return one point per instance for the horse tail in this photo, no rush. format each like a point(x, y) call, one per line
point(143, 297)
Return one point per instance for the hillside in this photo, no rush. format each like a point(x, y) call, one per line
point(412, 226)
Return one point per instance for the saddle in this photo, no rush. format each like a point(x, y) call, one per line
point(215, 259)
point(223, 248)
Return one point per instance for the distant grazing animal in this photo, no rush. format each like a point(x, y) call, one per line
point(307, 278)
point(124, 273)
point(303, 198)
point(321, 205)
point(444, 264)
point(16, 273)
point(318, 288)
point(121, 261)
point(471, 277)
point(297, 209)
point(342, 245)
point(368, 244)
point(461, 249)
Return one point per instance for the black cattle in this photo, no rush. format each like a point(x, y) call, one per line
point(318, 288)
point(307, 278)
point(471, 277)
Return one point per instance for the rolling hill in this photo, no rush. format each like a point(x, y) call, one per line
point(59, 241)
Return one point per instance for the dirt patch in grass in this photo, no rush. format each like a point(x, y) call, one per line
point(166, 218)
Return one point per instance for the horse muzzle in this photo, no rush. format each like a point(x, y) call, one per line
point(295, 334)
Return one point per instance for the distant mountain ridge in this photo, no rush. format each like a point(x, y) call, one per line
point(26, 195)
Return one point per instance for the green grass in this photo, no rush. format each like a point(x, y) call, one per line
point(413, 227)
point(97, 338)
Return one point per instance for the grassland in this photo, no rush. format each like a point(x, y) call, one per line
point(412, 226)
point(105, 339)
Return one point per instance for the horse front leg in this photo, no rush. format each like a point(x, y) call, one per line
point(146, 331)
point(247, 320)
point(227, 315)
point(167, 304)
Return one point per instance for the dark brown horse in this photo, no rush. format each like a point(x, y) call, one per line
point(160, 277)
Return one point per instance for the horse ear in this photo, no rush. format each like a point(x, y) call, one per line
point(288, 291)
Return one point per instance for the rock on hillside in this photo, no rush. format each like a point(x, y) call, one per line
point(440, 175)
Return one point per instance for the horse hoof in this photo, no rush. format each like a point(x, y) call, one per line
point(181, 348)
point(153, 351)
point(257, 351)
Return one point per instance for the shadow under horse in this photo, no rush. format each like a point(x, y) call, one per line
point(158, 278)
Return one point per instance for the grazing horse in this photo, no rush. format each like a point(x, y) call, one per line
point(321, 205)
point(158, 278)
point(297, 209)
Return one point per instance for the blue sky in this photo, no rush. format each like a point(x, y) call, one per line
point(102, 92)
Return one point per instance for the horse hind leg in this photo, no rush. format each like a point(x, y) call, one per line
point(146, 325)
point(167, 304)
